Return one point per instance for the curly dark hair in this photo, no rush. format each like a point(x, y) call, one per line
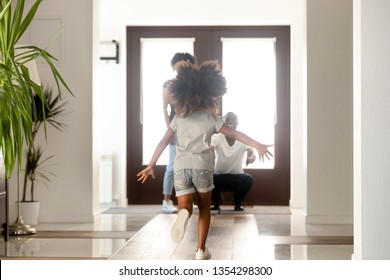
point(197, 87)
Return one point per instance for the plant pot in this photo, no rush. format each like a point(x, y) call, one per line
point(29, 211)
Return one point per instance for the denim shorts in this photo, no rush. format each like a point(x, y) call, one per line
point(188, 181)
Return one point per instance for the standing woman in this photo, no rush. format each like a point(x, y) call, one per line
point(169, 113)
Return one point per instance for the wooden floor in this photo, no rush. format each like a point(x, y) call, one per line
point(231, 237)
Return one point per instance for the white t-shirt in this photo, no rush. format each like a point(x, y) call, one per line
point(193, 140)
point(228, 159)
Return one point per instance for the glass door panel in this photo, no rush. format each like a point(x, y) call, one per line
point(156, 55)
point(250, 71)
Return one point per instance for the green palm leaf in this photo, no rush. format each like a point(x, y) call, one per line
point(17, 91)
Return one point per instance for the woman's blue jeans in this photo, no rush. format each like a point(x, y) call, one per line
point(168, 175)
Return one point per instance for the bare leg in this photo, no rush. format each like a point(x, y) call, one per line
point(186, 201)
point(204, 203)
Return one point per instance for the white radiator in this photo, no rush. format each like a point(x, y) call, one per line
point(105, 178)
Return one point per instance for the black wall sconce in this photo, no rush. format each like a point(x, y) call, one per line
point(108, 51)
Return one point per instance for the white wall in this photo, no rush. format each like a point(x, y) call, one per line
point(110, 87)
point(372, 129)
point(68, 198)
point(329, 112)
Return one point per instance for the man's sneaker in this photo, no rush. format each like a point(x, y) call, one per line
point(177, 232)
point(238, 207)
point(167, 206)
point(202, 254)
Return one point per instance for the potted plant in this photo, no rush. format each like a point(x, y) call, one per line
point(17, 88)
point(34, 165)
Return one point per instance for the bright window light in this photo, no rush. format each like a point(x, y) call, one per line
point(250, 71)
point(156, 55)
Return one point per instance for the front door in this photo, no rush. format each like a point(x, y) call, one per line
point(256, 64)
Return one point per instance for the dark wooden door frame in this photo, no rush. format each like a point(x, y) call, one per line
point(268, 189)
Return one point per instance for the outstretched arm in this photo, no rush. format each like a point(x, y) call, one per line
point(242, 137)
point(149, 171)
